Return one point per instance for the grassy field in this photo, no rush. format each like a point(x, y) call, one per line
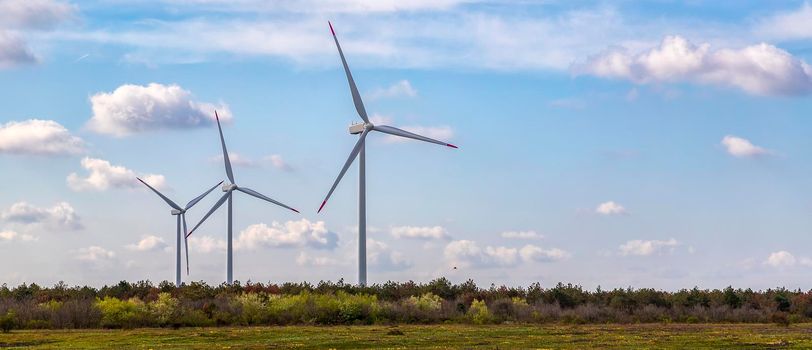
point(672, 336)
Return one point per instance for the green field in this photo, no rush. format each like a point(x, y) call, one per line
point(653, 336)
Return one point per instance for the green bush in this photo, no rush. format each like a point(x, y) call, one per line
point(119, 313)
point(427, 302)
point(164, 310)
point(478, 312)
point(7, 321)
point(252, 308)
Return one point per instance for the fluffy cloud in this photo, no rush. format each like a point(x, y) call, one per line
point(104, 176)
point(134, 109)
point(760, 69)
point(783, 258)
point(8, 236)
point(149, 243)
point(645, 248)
point(95, 254)
point(14, 51)
point(34, 14)
point(305, 259)
point(742, 148)
point(278, 162)
point(400, 89)
point(521, 235)
point(381, 257)
point(290, 234)
point(60, 216)
point(236, 159)
point(416, 232)
point(790, 25)
point(468, 253)
point(610, 208)
point(37, 137)
point(206, 244)
point(534, 253)
point(441, 133)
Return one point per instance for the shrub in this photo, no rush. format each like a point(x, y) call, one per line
point(426, 302)
point(7, 321)
point(165, 309)
point(120, 314)
point(253, 310)
point(478, 312)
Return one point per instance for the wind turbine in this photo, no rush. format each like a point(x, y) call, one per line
point(228, 189)
point(181, 214)
point(359, 149)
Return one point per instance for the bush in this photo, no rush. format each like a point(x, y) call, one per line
point(478, 312)
point(164, 310)
point(120, 314)
point(7, 322)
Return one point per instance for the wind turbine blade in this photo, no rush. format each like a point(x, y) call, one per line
point(185, 241)
point(356, 97)
point(347, 164)
point(216, 205)
point(225, 152)
point(194, 201)
point(167, 200)
point(403, 133)
point(251, 192)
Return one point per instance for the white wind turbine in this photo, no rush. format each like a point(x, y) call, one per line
point(359, 149)
point(181, 214)
point(228, 189)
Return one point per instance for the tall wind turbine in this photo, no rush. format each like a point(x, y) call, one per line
point(181, 214)
point(359, 149)
point(228, 189)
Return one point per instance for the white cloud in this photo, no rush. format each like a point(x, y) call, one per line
point(95, 254)
point(206, 244)
point(105, 176)
point(8, 236)
point(278, 162)
point(34, 14)
point(790, 25)
point(304, 259)
point(467, 253)
point(381, 257)
point(742, 148)
point(760, 69)
point(645, 248)
point(610, 208)
point(290, 234)
point(417, 232)
point(236, 159)
point(320, 6)
point(38, 137)
point(534, 253)
point(60, 216)
point(14, 51)
point(440, 133)
point(149, 243)
point(402, 88)
point(521, 235)
point(781, 259)
point(134, 109)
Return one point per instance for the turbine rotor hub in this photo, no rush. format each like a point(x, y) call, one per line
point(177, 212)
point(229, 187)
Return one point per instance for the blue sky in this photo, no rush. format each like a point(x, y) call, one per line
point(647, 144)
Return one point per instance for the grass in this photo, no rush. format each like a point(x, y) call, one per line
point(644, 336)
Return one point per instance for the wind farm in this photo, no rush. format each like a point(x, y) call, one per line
point(630, 174)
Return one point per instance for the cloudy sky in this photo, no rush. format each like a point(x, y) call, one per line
point(647, 144)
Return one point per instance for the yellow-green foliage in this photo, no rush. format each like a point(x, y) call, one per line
point(323, 308)
point(253, 308)
point(165, 309)
point(520, 302)
point(478, 312)
point(51, 305)
point(119, 313)
point(426, 302)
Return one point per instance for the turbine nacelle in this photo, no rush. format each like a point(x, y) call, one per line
point(229, 187)
point(177, 212)
point(357, 128)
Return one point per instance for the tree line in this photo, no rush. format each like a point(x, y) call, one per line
point(143, 304)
